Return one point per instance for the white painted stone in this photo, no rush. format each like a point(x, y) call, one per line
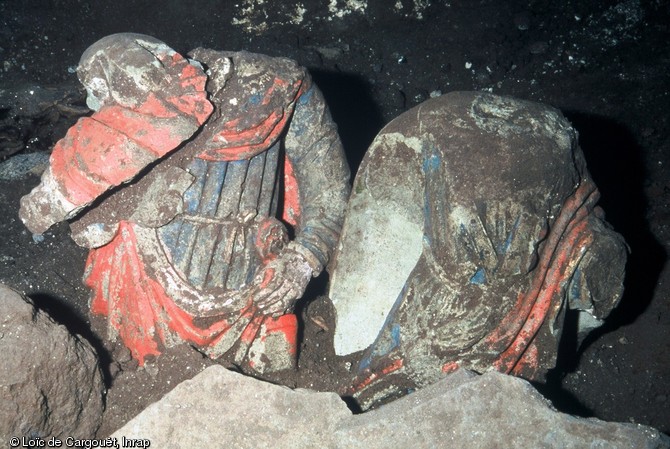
point(381, 240)
point(381, 250)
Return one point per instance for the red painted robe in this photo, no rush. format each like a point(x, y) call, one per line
point(135, 279)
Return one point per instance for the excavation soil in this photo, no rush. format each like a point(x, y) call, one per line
point(604, 64)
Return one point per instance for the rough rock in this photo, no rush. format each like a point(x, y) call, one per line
point(222, 408)
point(50, 381)
point(488, 411)
point(21, 165)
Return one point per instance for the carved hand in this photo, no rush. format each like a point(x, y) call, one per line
point(281, 282)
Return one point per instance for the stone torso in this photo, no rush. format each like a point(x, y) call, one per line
point(213, 241)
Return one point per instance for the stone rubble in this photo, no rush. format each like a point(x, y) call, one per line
point(221, 408)
point(50, 381)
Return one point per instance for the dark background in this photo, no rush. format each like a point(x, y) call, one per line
point(605, 64)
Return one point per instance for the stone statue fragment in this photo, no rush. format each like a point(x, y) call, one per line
point(210, 189)
point(471, 228)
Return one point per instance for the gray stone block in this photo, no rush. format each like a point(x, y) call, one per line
point(493, 410)
point(219, 408)
point(50, 382)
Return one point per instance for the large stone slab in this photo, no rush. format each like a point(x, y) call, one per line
point(489, 411)
point(219, 408)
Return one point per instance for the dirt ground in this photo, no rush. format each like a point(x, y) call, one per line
point(605, 64)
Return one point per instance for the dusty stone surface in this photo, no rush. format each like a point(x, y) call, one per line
point(50, 382)
point(219, 407)
point(488, 411)
point(384, 222)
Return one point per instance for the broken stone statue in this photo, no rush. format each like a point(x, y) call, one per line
point(183, 182)
point(471, 228)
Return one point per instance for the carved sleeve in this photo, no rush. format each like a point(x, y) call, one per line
point(315, 152)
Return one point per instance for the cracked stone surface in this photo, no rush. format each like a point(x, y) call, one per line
point(220, 407)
